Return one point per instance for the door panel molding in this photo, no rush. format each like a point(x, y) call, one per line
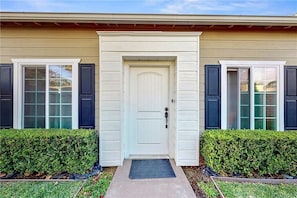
point(146, 65)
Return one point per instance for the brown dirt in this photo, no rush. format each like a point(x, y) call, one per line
point(195, 174)
point(110, 170)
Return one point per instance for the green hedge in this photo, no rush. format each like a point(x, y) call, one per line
point(250, 152)
point(47, 150)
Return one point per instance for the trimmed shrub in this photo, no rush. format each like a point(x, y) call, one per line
point(47, 150)
point(249, 152)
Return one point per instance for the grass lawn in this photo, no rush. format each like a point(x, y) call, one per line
point(39, 189)
point(92, 188)
point(249, 190)
point(97, 186)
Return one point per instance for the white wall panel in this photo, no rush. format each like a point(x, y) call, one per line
point(110, 135)
point(187, 95)
point(187, 66)
point(183, 48)
point(187, 115)
point(110, 105)
point(146, 46)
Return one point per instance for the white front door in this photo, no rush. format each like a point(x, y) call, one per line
point(148, 134)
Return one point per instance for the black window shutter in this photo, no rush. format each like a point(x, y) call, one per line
point(212, 96)
point(6, 95)
point(290, 98)
point(87, 96)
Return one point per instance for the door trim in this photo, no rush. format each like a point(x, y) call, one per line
point(171, 128)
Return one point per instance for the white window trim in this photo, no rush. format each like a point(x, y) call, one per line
point(18, 87)
point(251, 64)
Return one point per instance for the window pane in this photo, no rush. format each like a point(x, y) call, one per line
point(54, 110)
point(66, 71)
point(271, 111)
point(66, 110)
point(271, 124)
point(66, 123)
point(60, 81)
point(41, 97)
point(29, 122)
point(40, 85)
point(66, 85)
point(244, 123)
point(54, 84)
point(30, 85)
point(54, 122)
point(29, 97)
point(259, 111)
point(270, 73)
point(259, 86)
point(245, 111)
point(266, 96)
point(54, 71)
point(271, 99)
point(232, 94)
point(259, 99)
point(259, 74)
point(41, 73)
point(259, 124)
point(29, 110)
point(245, 99)
point(30, 72)
point(270, 86)
point(34, 100)
point(66, 97)
point(40, 110)
point(40, 122)
point(54, 97)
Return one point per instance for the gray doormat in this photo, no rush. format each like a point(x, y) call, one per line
point(147, 169)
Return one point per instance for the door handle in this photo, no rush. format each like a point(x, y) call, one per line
point(166, 117)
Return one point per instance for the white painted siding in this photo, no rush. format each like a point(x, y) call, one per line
point(180, 47)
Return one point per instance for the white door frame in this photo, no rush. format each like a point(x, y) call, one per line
point(182, 48)
point(171, 104)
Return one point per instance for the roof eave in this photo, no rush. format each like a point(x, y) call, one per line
point(147, 19)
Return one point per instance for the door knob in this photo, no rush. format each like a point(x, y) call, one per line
point(166, 116)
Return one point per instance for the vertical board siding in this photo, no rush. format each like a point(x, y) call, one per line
point(290, 98)
point(185, 50)
point(6, 95)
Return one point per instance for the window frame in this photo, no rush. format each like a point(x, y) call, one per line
point(279, 65)
point(18, 89)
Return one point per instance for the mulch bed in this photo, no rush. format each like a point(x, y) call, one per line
point(36, 176)
point(95, 171)
point(195, 174)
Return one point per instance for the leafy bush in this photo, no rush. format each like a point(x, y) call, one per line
point(47, 150)
point(250, 152)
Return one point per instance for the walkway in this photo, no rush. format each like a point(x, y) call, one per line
point(123, 187)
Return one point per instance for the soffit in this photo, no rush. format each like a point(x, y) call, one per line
point(148, 21)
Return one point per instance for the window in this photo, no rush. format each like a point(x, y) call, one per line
point(46, 93)
point(34, 96)
point(251, 95)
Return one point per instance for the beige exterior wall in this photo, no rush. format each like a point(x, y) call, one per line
point(51, 43)
point(214, 46)
point(253, 46)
